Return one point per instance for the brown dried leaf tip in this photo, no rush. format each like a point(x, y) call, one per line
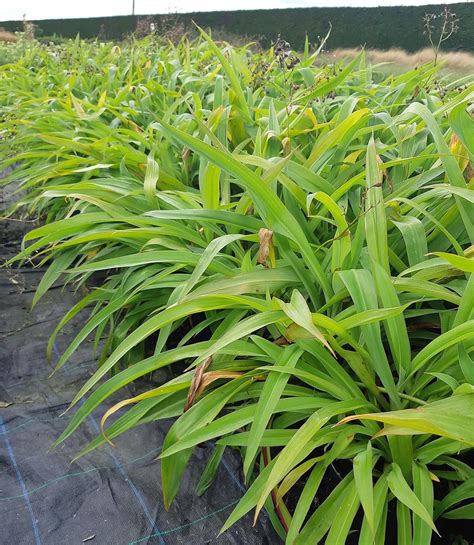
point(196, 382)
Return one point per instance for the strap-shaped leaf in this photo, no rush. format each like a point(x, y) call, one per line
point(401, 490)
point(271, 393)
point(423, 488)
point(363, 463)
point(445, 418)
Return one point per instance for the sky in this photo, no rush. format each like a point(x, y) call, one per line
point(58, 9)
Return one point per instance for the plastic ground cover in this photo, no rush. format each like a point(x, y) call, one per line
point(113, 495)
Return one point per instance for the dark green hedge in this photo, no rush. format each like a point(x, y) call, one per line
point(381, 27)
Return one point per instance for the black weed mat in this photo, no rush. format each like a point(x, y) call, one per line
point(113, 495)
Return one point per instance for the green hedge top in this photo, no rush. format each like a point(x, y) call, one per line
point(382, 27)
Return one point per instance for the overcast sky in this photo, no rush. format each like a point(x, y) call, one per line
point(49, 9)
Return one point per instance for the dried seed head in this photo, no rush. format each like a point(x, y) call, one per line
point(283, 54)
point(286, 144)
point(266, 250)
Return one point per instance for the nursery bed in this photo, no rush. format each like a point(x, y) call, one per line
point(112, 496)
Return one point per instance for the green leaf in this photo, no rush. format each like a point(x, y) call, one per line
point(461, 122)
point(395, 325)
point(326, 514)
point(452, 337)
point(423, 488)
point(298, 311)
point(453, 171)
point(400, 489)
point(344, 518)
point(271, 393)
point(413, 233)
point(465, 512)
point(210, 471)
point(239, 418)
point(462, 492)
point(167, 316)
point(210, 187)
point(360, 285)
point(363, 479)
point(341, 247)
point(328, 86)
point(273, 212)
point(289, 456)
point(231, 74)
point(54, 271)
point(465, 264)
point(445, 418)
point(198, 416)
point(466, 363)
point(151, 178)
point(305, 501)
point(375, 218)
point(404, 530)
point(380, 500)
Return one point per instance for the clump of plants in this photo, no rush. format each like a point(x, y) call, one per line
point(310, 265)
point(12, 46)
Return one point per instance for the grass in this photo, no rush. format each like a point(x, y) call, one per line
point(293, 244)
point(398, 60)
point(8, 37)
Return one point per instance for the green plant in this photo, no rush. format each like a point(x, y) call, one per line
point(11, 51)
point(311, 265)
